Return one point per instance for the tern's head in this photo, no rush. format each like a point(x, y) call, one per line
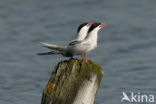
point(96, 26)
point(83, 30)
point(84, 26)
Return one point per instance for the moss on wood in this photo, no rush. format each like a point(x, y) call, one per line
point(67, 78)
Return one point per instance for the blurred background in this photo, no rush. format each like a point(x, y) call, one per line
point(126, 48)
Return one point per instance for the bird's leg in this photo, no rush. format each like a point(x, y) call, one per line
point(82, 58)
point(85, 60)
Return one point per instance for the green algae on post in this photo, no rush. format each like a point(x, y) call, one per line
point(73, 82)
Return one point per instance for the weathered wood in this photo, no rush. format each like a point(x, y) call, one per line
point(73, 82)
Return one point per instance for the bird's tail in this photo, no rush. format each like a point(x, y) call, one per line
point(52, 46)
point(49, 53)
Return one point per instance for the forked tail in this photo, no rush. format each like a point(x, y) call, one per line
point(52, 46)
point(49, 53)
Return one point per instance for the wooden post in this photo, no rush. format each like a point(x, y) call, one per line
point(73, 82)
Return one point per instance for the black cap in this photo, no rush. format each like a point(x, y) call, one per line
point(93, 26)
point(82, 25)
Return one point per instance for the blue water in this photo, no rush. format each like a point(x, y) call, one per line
point(126, 49)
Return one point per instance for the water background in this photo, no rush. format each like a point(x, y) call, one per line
point(126, 49)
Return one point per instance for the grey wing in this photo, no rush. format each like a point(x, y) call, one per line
point(73, 43)
point(84, 46)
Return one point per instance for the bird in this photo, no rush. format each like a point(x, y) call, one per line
point(88, 44)
point(81, 34)
point(81, 47)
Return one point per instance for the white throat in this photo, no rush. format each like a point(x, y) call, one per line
point(93, 36)
point(82, 33)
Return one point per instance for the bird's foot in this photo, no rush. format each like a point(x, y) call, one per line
point(85, 61)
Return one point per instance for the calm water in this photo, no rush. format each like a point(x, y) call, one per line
point(126, 51)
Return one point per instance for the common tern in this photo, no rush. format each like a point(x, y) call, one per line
point(80, 47)
point(88, 44)
point(81, 34)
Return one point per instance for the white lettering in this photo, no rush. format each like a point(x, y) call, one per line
point(138, 97)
